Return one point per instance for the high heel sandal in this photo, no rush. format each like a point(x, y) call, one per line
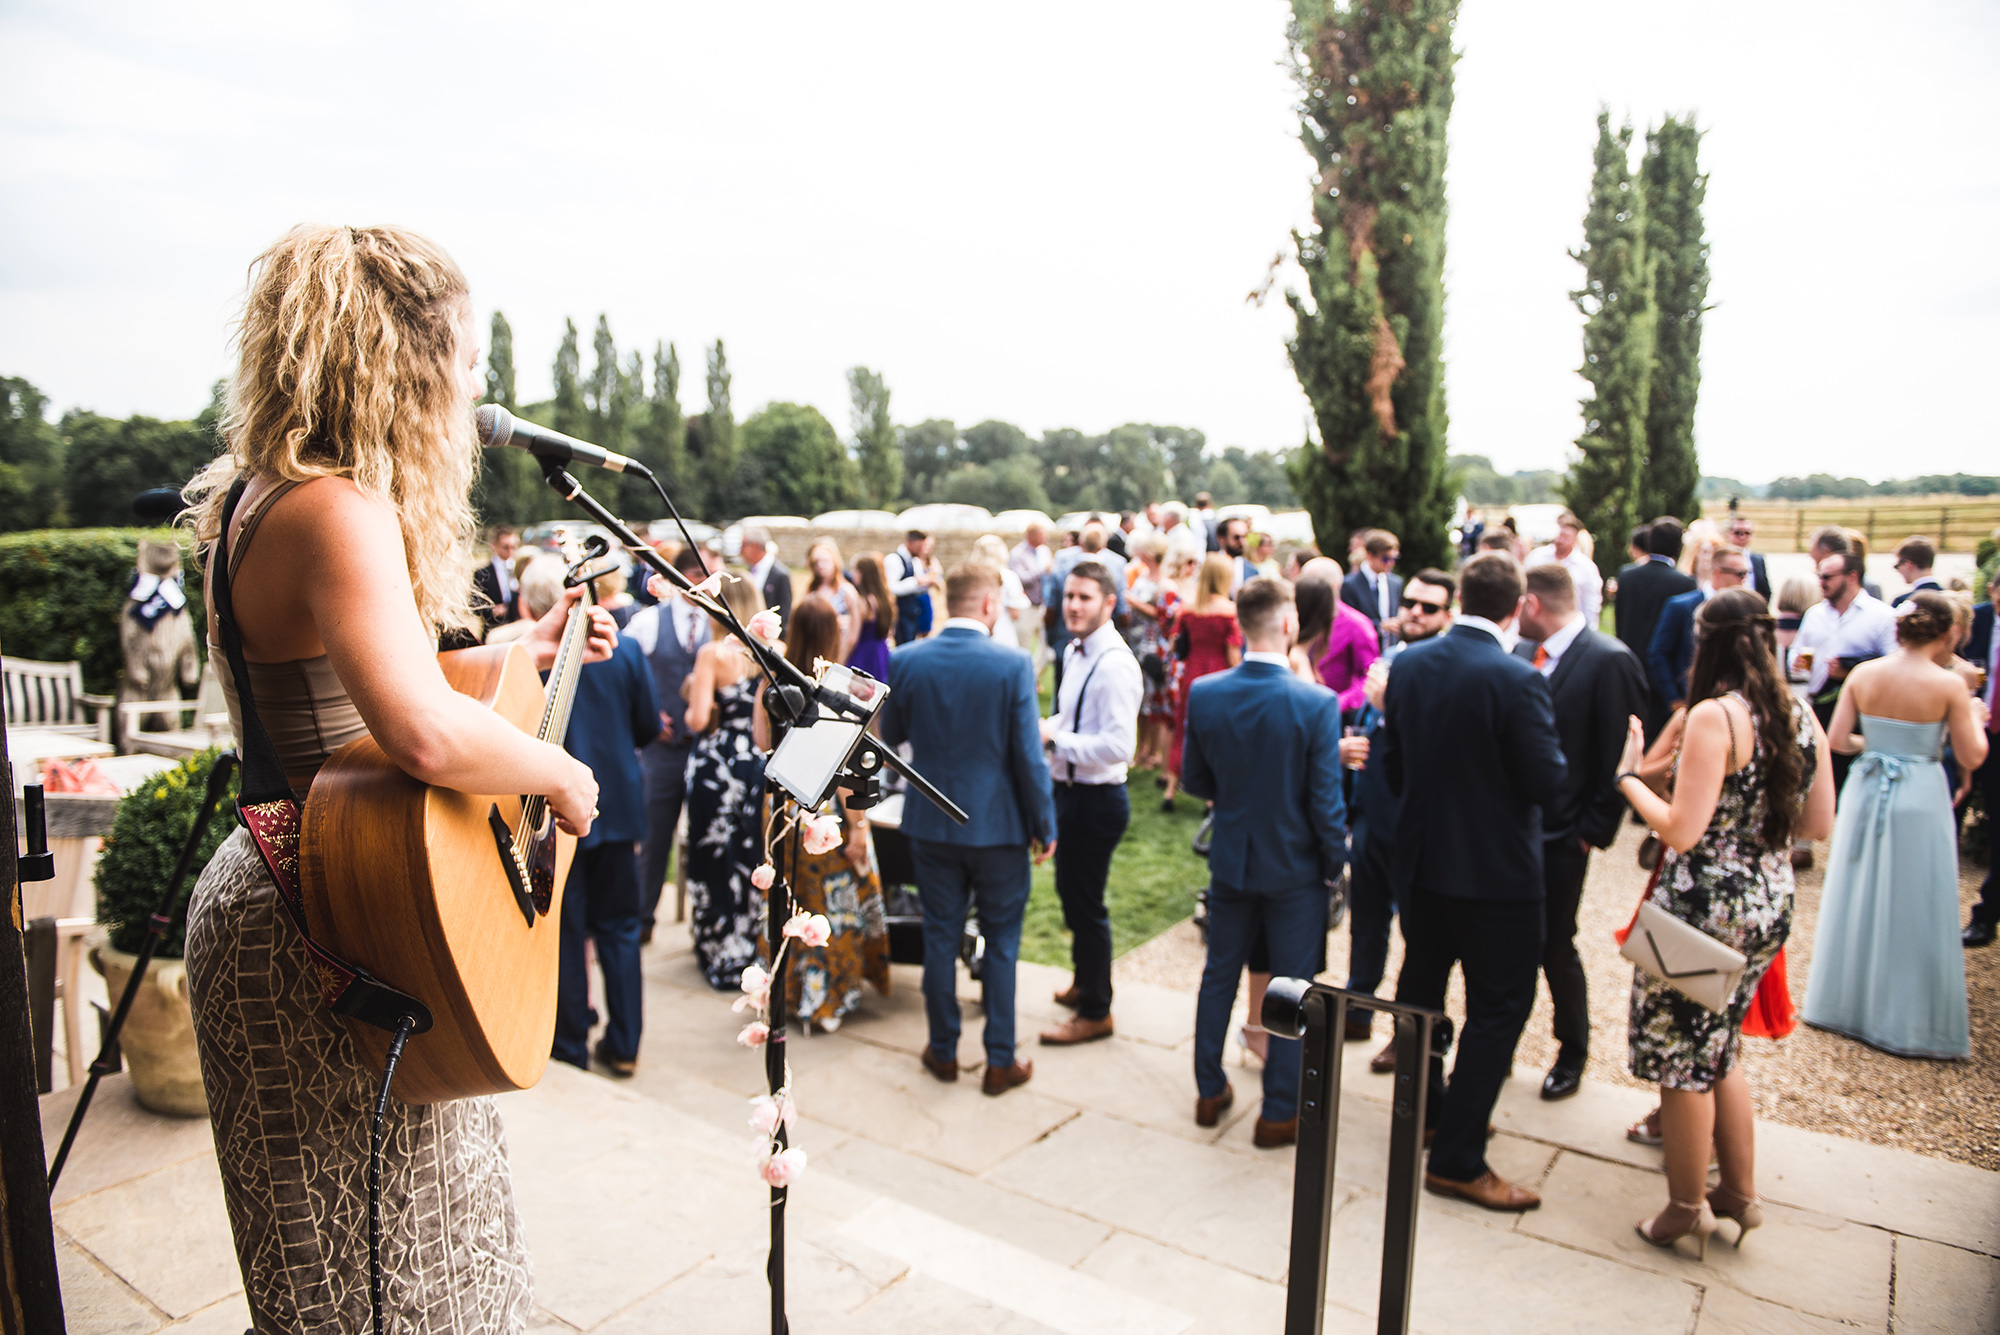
point(1243, 1037)
point(1702, 1226)
point(1747, 1213)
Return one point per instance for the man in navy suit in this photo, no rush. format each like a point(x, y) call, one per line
point(1672, 652)
point(1597, 688)
point(1469, 741)
point(1914, 560)
point(1265, 746)
point(1374, 588)
point(1980, 650)
point(1741, 533)
point(1643, 590)
point(967, 707)
point(669, 633)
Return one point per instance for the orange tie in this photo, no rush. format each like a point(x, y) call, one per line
point(1541, 657)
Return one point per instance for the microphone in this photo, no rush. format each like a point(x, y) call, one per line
point(499, 427)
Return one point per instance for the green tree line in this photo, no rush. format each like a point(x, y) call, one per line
point(82, 470)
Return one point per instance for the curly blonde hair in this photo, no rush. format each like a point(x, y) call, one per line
point(345, 369)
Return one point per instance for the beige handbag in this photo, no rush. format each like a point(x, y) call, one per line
point(1684, 957)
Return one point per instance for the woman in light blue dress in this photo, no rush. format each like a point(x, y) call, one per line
point(1887, 965)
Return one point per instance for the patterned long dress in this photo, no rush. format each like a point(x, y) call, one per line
point(1739, 891)
point(291, 1098)
point(825, 983)
point(725, 805)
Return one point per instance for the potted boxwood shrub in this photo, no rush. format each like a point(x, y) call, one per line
point(152, 823)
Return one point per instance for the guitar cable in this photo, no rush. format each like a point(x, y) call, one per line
point(378, 1141)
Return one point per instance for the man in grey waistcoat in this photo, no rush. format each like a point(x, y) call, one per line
point(669, 633)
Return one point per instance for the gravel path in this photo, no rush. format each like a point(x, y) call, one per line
point(1812, 1079)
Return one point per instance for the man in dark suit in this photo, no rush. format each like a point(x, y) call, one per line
point(1643, 589)
point(1469, 741)
point(1265, 746)
point(967, 707)
point(1373, 587)
point(495, 579)
point(1741, 532)
point(1671, 654)
point(1597, 687)
point(1914, 560)
point(771, 576)
point(1979, 650)
point(669, 634)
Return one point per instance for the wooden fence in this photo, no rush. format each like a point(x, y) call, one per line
point(1954, 523)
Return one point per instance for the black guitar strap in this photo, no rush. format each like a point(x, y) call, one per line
point(275, 820)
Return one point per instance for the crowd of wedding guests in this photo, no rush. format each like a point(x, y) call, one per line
point(1439, 753)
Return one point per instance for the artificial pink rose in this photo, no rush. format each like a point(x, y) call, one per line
point(766, 626)
point(754, 1034)
point(822, 834)
point(783, 1168)
point(812, 929)
point(712, 586)
point(767, 1112)
point(763, 876)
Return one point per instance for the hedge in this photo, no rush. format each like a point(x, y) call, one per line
point(61, 592)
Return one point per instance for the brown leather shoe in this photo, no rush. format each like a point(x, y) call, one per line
point(1360, 1026)
point(1384, 1062)
point(1270, 1135)
point(946, 1071)
point(1078, 1030)
point(1069, 997)
point(1207, 1112)
point(1000, 1079)
point(1488, 1189)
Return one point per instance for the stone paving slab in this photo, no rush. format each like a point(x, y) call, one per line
point(931, 1207)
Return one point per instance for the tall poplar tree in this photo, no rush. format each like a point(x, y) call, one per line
point(569, 411)
point(1376, 92)
point(661, 441)
point(1605, 485)
point(1675, 188)
point(500, 363)
point(876, 448)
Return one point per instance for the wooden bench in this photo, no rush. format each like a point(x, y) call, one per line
point(50, 696)
point(210, 725)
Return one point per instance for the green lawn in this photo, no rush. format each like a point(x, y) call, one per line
point(1154, 876)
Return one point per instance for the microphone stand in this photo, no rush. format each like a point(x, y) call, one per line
point(791, 700)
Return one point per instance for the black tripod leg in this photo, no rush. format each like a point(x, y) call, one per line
point(157, 928)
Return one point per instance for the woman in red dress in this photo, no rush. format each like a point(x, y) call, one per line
point(1214, 643)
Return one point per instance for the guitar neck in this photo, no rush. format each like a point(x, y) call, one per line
point(564, 675)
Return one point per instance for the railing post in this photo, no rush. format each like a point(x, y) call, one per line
point(1317, 1015)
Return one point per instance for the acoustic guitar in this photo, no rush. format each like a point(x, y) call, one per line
point(454, 898)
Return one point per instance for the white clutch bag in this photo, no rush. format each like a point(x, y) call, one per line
point(1683, 957)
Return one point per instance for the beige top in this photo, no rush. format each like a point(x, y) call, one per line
point(301, 703)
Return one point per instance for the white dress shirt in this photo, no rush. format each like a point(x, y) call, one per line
point(1505, 634)
point(1867, 629)
point(1380, 579)
point(902, 586)
point(1275, 660)
point(504, 572)
point(966, 623)
point(1583, 571)
point(1554, 647)
point(762, 570)
point(1095, 746)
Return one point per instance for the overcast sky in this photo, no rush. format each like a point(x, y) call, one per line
point(1052, 216)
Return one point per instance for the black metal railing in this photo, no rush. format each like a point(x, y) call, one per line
point(1317, 1015)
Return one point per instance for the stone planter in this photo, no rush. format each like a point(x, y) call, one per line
point(158, 1038)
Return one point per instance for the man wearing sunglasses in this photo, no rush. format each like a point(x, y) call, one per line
point(1672, 652)
point(1847, 627)
point(1423, 611)
point(1741, 531)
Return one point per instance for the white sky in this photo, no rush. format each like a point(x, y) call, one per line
point(1051, 217)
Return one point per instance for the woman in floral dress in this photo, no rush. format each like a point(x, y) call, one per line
point(1754, 774)
point(823, 983)
point(725, 799)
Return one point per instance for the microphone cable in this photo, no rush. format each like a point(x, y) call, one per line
point(377, 1146)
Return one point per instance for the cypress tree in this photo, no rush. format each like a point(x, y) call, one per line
point(660, 444)
point(1376, 93)
point(604, 393)
point(1675, 188)
point(500, 363)
point(1605, 483)
point(876, 448)
point(569, 412)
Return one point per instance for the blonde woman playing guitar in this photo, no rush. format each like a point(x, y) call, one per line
point(349, 552)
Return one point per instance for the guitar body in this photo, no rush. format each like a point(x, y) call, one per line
point(407, 881)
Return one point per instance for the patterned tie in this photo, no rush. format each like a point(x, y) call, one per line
point(1541, 657)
